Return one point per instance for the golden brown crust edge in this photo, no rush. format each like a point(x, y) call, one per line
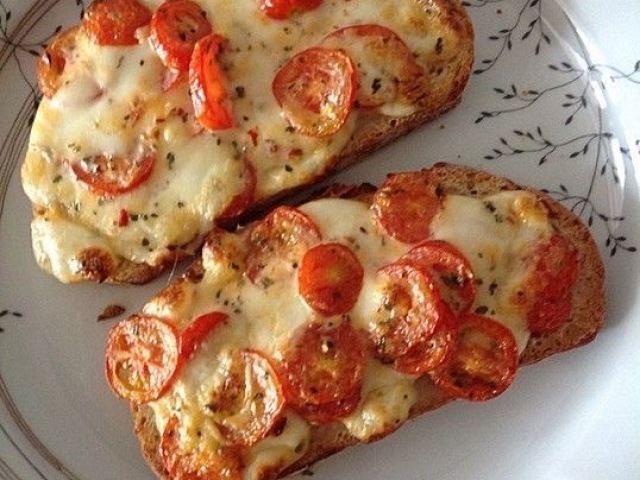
point(443, 91)
point(587, 318)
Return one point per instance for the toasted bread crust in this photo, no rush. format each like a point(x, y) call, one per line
point(587, 316)
point(434, 93)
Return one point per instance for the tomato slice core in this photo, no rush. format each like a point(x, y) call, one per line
point(484, 362)
point(277, 245)
point(110, 175)
point(450, 269)
point(386, 65)
point(330, 278)
point(250, 401)
point(224, 462)
point(324, 370)
point(115, 22)
point(410, 313)
point(405, 205)
point(142, 358)
point(316, 90)
point(176, 26)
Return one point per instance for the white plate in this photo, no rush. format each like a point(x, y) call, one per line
point(575, 416)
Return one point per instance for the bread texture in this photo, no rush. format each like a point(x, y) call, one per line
point(444, 27)
point(587, 316)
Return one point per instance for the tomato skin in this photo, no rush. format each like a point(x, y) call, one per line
point(277, 244)
point(450, 269)
point(221, 463)
point(251, 401)
point(115, 22)
point(405, 205)
point(323, 371)
point(111, 176)
point(330, 278)
point(198, 330)
point(176, 26)
point(484, 362)
point(283, 9)
point(142, 358)
point(316, 90)
point(556, 265)
point(208, 85)
point(52, 62)
point(410, 311)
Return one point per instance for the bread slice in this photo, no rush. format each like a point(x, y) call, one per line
point(104, 246)
point(586, 319)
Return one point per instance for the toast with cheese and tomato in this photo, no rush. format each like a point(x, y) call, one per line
point(335, 321)
point(160, 121)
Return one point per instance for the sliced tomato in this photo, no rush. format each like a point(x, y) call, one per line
point(426, 356)
point(278, 243)
point(176, 26)
point(224, 462)
point(450, 269)
point(405, 205)
point(411, 310)
point(316, 90)
point(208, 85)
point(330, 278)
point(115, 22)
point(283, 9)
point(385, 63)
point(244, 199)
point(553, 274)
point(52, 62)
point(250, 401)
point(484, 362)
point(198, 330)
point(110, 175)
point(142, 358)
point(324, 370)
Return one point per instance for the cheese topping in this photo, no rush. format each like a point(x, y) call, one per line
point(492, 232)
point(111, 101)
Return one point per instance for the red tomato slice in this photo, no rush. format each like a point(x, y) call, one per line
point(554, 273)
point(283, 9)
point(484, 362)
point(115, 22)
point(316, 90)
point(410, 312)
point(385, 63)
point(451, 270)
point(244, 199)
point(330, 278)
point(224, 462)
point(198, 330)
point(250, 402)
point(324, 370)
point(405, 205)
point(430, 354)
point(176, 26)
point(142, 358)
point(52, 62)
point(111, 176)
point(208, 85)
point(277, 245)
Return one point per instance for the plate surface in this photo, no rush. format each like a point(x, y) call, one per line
point(552, 103)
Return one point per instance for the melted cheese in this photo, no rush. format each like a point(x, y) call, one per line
point(494, 233)
point(111, 100)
